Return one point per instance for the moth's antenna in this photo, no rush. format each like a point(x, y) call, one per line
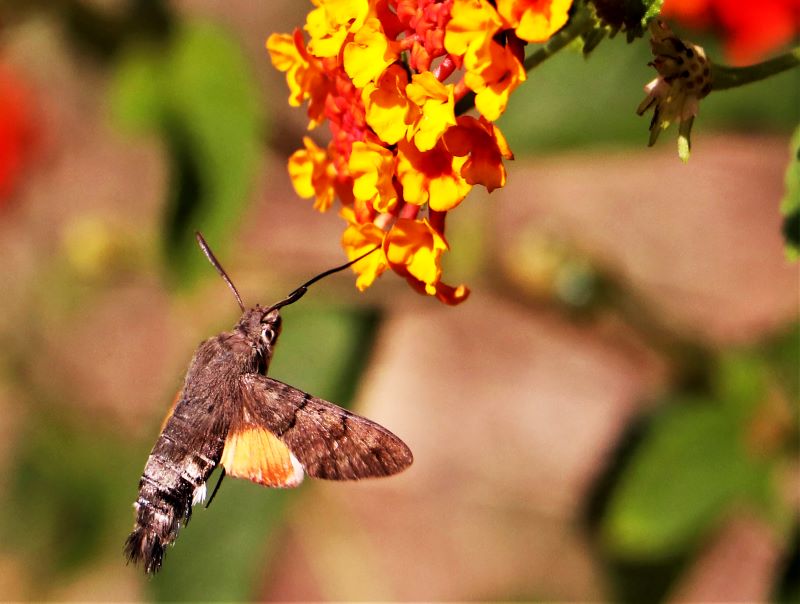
point(213, 260)
point(301, 291)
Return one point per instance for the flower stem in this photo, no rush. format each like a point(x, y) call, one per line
point(444, 69)
point(581, 22)
point(731, 77)
point(409, 210)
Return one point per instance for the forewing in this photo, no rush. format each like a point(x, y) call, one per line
point(330, 442)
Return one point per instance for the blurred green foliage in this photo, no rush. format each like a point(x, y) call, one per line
point(692, 466)
point(704, 453)
point(790, 206)
point(76, 502)
point(198, 94)
point(575, 101)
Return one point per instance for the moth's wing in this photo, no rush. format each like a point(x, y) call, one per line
point(253, 452)
point(330, 442)
point(178, 396)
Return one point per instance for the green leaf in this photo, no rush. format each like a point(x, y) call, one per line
point(790, 205)
point(200, 97)
point(689, 469)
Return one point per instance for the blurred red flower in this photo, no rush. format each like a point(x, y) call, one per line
point(750, 29)
point(17, 131)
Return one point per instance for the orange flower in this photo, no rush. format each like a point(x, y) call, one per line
point(414, 250)
point(312, 174)
point(485, 146)
point(386, 75)
point(493, 84)
point(534, 20)
point(303, 75)
point(372, 167)
point(470, 31)
point(432, 177)
point(358, 239)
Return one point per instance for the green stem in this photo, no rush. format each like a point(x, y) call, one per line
point(731, 77)
point(581, 23)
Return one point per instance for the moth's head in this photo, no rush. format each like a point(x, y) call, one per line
point(254, 337)
point(270, 327)
point(261, 327)
point(258, 329)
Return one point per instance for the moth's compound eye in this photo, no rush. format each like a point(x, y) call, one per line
point(267, 334)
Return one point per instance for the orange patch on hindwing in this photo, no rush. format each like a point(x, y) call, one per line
point(258, 455)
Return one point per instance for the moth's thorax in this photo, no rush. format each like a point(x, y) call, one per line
point(247, 348)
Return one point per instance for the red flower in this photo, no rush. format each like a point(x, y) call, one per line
point(750, 29)
point(17, 131)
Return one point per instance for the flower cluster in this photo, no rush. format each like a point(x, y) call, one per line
point(386, 75)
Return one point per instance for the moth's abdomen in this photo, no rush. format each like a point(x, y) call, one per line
point(157, 524)
point(174, 479)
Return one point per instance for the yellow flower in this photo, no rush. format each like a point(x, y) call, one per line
point(432, 177)
point(389, 112)
point(436, 109)
point(358, 239)
point(414, 250)
point(372, 167)
point(470, 30)
point(535, 20)
point(303, 76)
point(329, 24)
point(312, 174)
point(496, 82)
point(369, 53)
point(286, 57)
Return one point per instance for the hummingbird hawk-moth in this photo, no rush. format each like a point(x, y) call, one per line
point(229, 413)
